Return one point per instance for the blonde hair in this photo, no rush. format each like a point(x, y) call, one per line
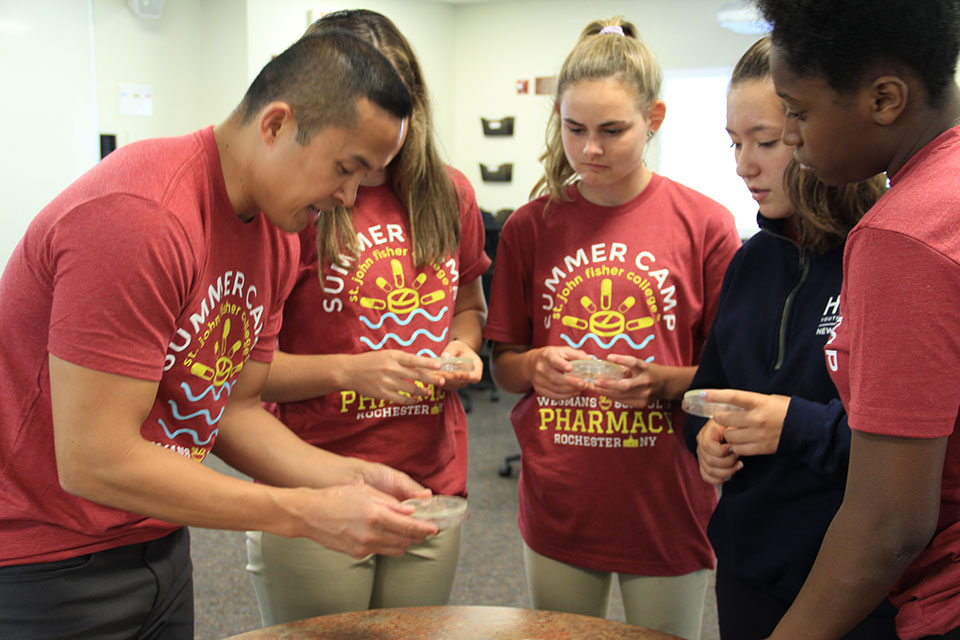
point(417, 175)
point(823, 215)
point(596, 56)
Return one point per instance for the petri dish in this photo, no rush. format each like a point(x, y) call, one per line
point(444, 511)
point(697, 406)
point(591, 369)
point(456, 364)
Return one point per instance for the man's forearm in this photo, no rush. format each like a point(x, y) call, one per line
point(158, 483)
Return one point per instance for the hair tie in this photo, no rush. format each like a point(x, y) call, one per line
point(613, 28)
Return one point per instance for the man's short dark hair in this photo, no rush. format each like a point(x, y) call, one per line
point(841, 40)
point(322, 77)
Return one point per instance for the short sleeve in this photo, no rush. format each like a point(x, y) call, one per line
point(902, 320)
point(722, 243)
point(121, 267)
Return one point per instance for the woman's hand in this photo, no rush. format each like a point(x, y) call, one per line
point(756, 430)
point(393, 375)
point(458, 379)
point(547, 369)
point(717, 462)
point(642, 384)
point(645, 382)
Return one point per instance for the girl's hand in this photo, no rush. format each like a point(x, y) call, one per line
point(457, 379)
point(548, 369)
point(756, 430)
point(717, 462)
point(393, 375)
point(643, 383)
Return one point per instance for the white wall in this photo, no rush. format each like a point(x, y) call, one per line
point(428, 26)
point(695, 149)
point(63, 63)
point(501, 42)
point(193, 56)
point(48, 107)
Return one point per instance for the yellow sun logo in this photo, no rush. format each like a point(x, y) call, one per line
point(223, 369)
point(401, 299)
point(604, 320)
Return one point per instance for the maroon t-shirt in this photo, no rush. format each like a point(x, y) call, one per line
point(383, 301)
point(603, 485)
point(141, 268)
point(895, 353)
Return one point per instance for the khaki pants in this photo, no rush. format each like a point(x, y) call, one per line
point(669, 604)
point(296, 578)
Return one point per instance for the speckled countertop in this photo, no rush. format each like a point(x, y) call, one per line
point(455, 623)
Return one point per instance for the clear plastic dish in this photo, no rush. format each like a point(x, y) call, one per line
point(444, 511)
point(592, 370)
point(456, 364)
point(697, 406)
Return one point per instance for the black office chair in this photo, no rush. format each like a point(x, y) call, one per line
point(506, 470)
point(492, 223)
point(491, 229)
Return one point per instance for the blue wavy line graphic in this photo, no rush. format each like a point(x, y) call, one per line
point(617, 338)
point(427, 353)
point(211, 389)
point(648, 359)
point(413, 314)
point(406, 343)
point(203, 412)
point(193, 434)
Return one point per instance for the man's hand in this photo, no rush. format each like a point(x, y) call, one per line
point(358, 520)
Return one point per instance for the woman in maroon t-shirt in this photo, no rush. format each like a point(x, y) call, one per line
point(619, 267)
point(383, 289)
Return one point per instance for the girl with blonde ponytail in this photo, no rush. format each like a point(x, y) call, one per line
point(617, 267)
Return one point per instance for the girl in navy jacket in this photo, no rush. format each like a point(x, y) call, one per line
point(782, 462)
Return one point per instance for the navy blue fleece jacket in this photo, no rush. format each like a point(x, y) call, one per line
point(776, 309)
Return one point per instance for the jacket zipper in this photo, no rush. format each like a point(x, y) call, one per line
point(782, 332)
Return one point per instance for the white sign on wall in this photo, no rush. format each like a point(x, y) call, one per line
point(135, 100)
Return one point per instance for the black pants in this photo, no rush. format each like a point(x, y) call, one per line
point(142, 591)
point(746, 613)
point(949, 635)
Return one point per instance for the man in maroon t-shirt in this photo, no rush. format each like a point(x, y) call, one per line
point(140, 312)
